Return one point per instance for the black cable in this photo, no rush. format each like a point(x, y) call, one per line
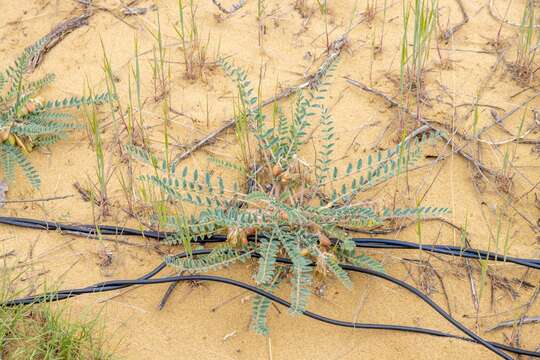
point(360, 242)
point(446, 250)
point(146, 280)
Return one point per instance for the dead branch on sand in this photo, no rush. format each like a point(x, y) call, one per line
point(426, 123)
point(59, 32)
point(465, 19)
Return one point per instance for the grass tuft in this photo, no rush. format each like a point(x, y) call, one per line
point(46, 332)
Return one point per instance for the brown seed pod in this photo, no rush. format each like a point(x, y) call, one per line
point(31, 106)
point(320, 267)
point(4, 133)
point(243, 237)
point(237, 236)
point(285, 178)
point(250, 231)
point(277, 170)
point(34, 104)
point(232, 235)
point(324, 240)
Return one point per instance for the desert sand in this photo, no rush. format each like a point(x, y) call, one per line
point(211, 321)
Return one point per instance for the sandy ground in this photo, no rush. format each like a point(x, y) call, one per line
point(212, 321)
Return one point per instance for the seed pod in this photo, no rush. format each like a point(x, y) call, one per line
point(242, 236)
point(4, 134)
point(30, 106)
point(237, 236)
point(232, 236)
point(277, 170)
point(324, 240)
point(251, 231)
point(285, 178)
point(320, 267)
point(34, 104)
point(21, 144)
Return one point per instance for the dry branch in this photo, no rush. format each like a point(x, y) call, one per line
point(233, 8)
point(167, 295)
point(504, 21)
point(426, 123)
point(512, 323)
point(52, 198)
point(465, 19)
point(59, 32)
point(499, 120)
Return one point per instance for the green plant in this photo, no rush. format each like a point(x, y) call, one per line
point(371, 10)
point(27, 121)
point(45, 332)
point(522, 67)
point(415, 56)
point(193, 49)
point(159, 75)
point(94, 130)
point(323, 9)
point(287, 209)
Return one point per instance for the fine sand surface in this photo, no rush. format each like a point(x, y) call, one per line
point(211, 321)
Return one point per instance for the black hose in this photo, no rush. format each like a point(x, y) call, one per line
point(147, 280)
point(446, 250)
point(360, 242)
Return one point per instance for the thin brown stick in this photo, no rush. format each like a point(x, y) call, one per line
point(52, 198)
point(465, 19)
point(476, 301)
point(8, 254)
point(425, 122)
point(233, 9)
point(59, 32)
point(491, 9)
point(517, 329)
point(445, 293)
point(390, 230)
point(167, 294)
point(101, 238)
point(228, 301)
point(511, 323)
point(500, 119)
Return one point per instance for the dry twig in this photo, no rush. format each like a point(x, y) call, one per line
point(465, 19)
point(491, 9)
point(59, 32)
point(427, 123)
point(36, 200)
point(233, 9)
point(511, 323)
